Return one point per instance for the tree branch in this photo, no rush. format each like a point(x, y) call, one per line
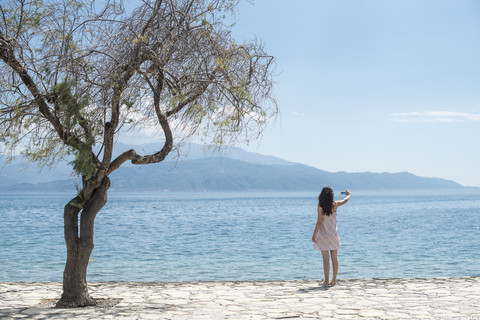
point(8, 56)
point(194, 95)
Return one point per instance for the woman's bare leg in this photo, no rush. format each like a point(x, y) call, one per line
point(326, 267)
point(334, 266)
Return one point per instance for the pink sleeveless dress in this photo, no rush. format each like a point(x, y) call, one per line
point(327, 235)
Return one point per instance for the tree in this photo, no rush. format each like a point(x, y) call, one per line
point(74, 72)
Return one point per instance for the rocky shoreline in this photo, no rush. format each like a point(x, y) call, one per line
point(419, 298)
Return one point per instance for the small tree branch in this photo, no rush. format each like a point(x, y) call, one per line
point(8, 56)
point(193, 95)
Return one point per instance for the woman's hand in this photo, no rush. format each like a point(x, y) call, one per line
point(313, 238)
point(345, 200)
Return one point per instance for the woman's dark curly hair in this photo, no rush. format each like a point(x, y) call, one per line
point(325, 200)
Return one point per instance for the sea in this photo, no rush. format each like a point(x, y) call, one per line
point(161, 236)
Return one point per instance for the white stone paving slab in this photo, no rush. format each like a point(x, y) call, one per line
point(435, 298)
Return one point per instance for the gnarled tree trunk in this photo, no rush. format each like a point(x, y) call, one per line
point(80, 246)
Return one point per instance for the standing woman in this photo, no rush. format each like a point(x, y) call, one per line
point(325, 236)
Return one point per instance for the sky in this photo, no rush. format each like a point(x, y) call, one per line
point(373, 85)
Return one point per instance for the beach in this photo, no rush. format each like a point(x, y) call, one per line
point(416, 298)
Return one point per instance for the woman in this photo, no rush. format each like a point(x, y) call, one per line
point(325, 235)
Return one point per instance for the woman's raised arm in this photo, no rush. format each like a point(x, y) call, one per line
point(345, 200)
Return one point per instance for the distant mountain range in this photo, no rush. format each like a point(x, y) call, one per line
point(197, 168)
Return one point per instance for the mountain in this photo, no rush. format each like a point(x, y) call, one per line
point(202, 169)
point(193, 151)
point(17, 172)
point(223, 174)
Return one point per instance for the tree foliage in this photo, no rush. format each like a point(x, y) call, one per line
point(73, 73)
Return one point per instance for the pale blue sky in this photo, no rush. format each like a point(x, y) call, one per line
point(373, 85)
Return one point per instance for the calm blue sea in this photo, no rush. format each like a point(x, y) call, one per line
point(245, 236)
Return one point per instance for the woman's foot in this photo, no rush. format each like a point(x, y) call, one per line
point(325, 284)
point(333, 283)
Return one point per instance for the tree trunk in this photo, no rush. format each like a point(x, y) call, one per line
point(79, 247)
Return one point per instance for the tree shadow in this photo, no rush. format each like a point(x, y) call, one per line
point(103, 303)
point(312, 289)
point(46, 309)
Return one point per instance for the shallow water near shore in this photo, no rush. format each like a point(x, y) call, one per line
point(245, 236)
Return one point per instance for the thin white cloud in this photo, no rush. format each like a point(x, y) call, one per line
point(434, 117)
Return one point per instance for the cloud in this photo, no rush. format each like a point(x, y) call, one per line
point(434, 117)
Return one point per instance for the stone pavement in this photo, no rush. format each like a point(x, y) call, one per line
point(437, 298)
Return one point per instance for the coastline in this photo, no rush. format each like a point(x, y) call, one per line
point(419, 298)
